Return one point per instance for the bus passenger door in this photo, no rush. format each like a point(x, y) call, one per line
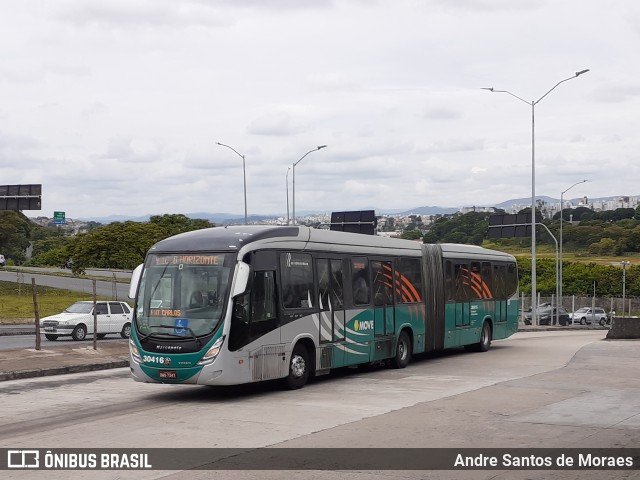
point(329, 274)
point(384, 312)
point(462, 305)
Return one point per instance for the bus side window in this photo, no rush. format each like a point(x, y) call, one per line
point(337, 286)
point(511, 284)
point(297, 280)
point(461, 278)
point(382, 283)
point(474, 282)
point(360, 281)
point(499, 274)
point(487, 279)
point(449, 281)
point(408, 281)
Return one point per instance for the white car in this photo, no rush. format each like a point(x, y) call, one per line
point(586, 315)
point(3, 262)
point(77, 321)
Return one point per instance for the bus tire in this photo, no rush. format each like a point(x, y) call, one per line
point(485, 340)
point(50, 336)
point(298, 368)
point(403, 351)
point(79, 333)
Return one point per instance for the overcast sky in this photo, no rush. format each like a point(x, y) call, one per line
point(116, 106)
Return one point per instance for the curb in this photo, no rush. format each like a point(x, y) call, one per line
point(4, 333)
point(45, 372)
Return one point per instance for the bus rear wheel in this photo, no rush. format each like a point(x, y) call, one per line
point(485, 340)
point(403, 351)
point(298, 368)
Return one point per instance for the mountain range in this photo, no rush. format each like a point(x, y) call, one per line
point(230, 218)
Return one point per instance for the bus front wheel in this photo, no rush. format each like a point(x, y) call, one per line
point(403, 351)
point(298, 368)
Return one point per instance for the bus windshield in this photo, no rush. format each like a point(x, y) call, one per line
point(183, 295)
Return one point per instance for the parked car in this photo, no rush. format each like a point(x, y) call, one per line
point(587, 316)
point(3, 262)
point(77, 321)
point(547, 315)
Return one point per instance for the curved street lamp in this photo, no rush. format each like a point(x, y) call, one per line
point(561, 222)
point(533, 103)
point(244, 175)
point(294, 179)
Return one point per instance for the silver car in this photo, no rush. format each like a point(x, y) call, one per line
point(588, 315)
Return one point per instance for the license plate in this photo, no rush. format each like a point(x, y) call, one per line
point(48, 329)
point(168, 374)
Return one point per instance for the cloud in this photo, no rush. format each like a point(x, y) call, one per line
point(440, 113)
point(277, 123)
point(101, 99)
point(136, 14)
point(95, 109)
point(617, 93)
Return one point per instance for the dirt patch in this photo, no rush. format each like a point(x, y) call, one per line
point(17, 321)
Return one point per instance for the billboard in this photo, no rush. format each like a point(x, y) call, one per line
point(511, 225)
point(21, 197)
point(362, 221)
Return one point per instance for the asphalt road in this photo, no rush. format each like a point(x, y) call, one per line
point(8, 342)
point(551, 389)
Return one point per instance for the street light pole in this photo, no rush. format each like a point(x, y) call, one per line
point(244, 176)
point(533, 103)
point(561, 222)
point(625, 264)
point(287, 180)
point(294, 179)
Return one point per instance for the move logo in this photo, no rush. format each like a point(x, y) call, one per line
point(363, 325)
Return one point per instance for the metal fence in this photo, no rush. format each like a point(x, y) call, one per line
point(573, 302)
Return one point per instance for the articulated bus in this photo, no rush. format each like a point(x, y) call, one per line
point(241, 304)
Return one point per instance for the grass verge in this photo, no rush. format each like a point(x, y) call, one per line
point(16, 301)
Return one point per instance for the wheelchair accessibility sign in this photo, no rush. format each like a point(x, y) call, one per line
point(181, 326)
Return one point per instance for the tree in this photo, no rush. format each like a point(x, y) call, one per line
point(117, 245)
point(411, 235)
point(470, 228)
point(605, 246)
point(173, 224)
point(15, 232)
point(124, 245)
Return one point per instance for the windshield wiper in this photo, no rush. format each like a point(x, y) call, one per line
point(173, 327)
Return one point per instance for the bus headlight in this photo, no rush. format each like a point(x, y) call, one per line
point(212, 353)
point(134, 351)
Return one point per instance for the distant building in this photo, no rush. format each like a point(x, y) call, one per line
point(465, 210)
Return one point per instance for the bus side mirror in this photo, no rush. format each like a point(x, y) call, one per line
point(135, 280)
point(242, 279)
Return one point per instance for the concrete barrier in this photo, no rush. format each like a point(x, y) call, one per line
point(624, 327)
